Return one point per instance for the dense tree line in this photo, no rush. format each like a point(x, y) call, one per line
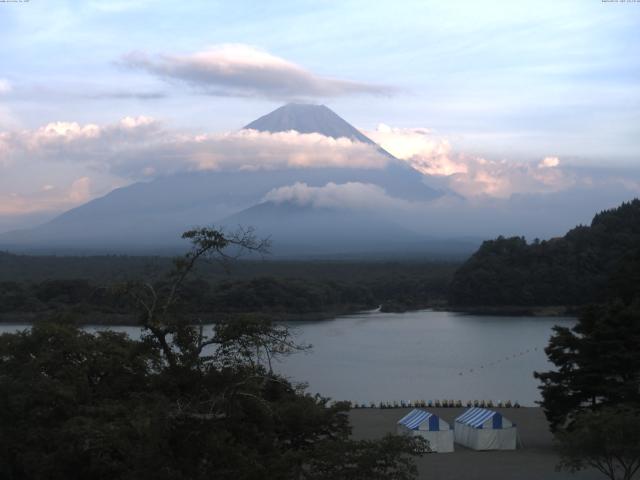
point(265, 294)
point(597, 360)
point(592, 396)
point(576, 269)
point(108, 269)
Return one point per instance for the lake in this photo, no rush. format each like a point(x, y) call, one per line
point(423, 355)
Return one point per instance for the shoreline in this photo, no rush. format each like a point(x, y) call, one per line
point(515, 310)
point(130, 320)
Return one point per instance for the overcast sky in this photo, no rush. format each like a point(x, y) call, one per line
point(518, 81)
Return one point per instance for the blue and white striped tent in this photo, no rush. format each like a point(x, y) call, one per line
point(482, 429)
point(429, 426)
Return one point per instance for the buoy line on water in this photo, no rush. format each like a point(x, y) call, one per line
point(495, 363)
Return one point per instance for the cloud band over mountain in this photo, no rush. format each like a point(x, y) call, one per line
point(470, 175)
point(137, 148)
point(351, 195)
point(69, 163)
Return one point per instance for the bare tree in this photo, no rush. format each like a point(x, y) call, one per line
point(182, 342)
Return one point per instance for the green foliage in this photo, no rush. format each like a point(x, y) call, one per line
point(354, 287)
point(572, 270)
point(386, 459)
point(108, 269)
point(180, 404)
point(72, 404)
point(597, 363)
point(607, 440)
point(267, 294)
point(625, 281)
point(592, 397)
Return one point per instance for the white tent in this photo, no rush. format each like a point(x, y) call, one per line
point(429, 426)
point(482, 429)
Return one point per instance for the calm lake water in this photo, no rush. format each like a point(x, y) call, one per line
point(425, 355)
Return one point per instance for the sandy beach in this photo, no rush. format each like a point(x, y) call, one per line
point(534, 461)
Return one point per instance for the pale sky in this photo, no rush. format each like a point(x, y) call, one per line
point(507, 81)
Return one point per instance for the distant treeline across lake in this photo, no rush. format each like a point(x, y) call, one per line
point(94, 289)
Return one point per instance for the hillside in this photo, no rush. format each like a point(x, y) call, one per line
point(581, 267)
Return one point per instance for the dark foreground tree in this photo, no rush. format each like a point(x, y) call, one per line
point(597, 363)
point(184, 402)
point(607, 440)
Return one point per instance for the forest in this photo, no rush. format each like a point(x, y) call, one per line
point(589, 264)
point(291, 290)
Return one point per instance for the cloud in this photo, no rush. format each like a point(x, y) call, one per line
point(139, 147)
point(425, 152)
point(254, 150)
point(48, 198)
point(5, 86)
point(350, 195)
point(244, 70)
point(49, 167)
point(549, 162)
point(533, 215)
point(470, 175)
point(72, 142)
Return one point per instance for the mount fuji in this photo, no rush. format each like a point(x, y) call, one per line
point(150, 216)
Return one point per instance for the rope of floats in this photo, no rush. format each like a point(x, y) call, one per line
point(448, 403)
point(499, 361)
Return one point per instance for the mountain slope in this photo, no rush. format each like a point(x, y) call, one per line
point(150, 216)
point(572, 270)
point(305, 118)
point(301, 230)
point(308, 230)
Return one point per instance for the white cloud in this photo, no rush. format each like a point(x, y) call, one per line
point(244, 70)
point(470, 175)
point(141, 147)
point(254, 150)
point(35, 164)
point(425, 152)
point(350, 195)
point(549, 162)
